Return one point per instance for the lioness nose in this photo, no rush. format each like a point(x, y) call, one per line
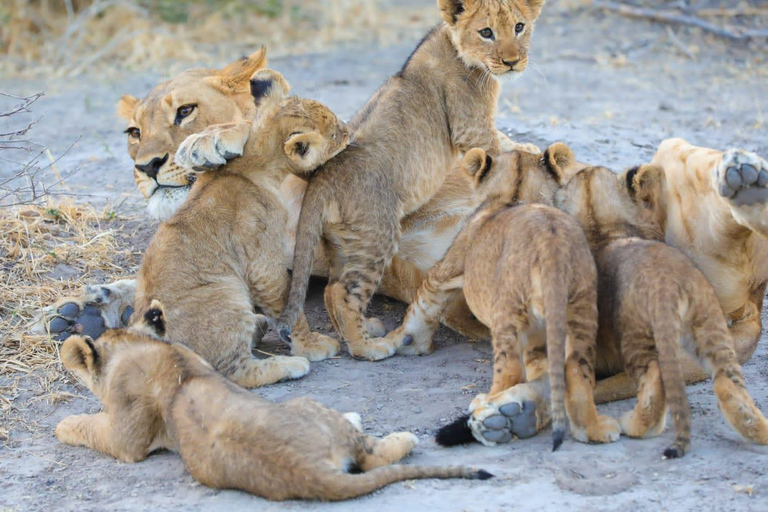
point(511, 63)
point(153, 166)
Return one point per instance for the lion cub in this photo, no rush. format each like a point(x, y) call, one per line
point(527, 274)
point(441, 103)
point(160, 395)
point(220, 257)
point(655, 306)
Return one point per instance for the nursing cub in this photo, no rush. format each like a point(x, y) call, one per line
point(409, 134)
point(655, 307)
point(160, 395)
point(219, 258)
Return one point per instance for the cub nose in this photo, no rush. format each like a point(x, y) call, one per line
point(151, 169)
point(511, 63)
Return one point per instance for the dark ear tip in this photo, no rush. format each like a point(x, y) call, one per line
point(260, 88)
point(631, 173)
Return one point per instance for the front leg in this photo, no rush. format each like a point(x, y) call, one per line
point(95, 431)
point(212, 147)
point(741, 179)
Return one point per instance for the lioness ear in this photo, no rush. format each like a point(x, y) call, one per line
point(645, 184)
point(234, 78)
point(268, 87)
point(79, 355)
point(450, 10)
point(303, 149)
point(476, 164)
point(126, 107)
point(556, 159)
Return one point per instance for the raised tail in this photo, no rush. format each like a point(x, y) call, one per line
point(667, 334)
point(555, 294)
point(308, 235)
point(455, 433)
point(342, 486)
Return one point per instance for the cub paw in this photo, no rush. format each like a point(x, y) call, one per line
point(409, 344)
point(375, 327)
point(374, 349)
point(212, 147)
point(355, 420)
point(318, 348)
point(607, 430)
point(742, 178)
point(66, 430)
point(292, 367)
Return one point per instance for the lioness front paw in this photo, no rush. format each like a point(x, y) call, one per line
point(742, 178)
point(318, 348)
point(212, 147)
point(514, 413)
point(98, 308)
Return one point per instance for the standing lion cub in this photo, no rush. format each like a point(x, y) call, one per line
point(656, 306)
point(159, 395)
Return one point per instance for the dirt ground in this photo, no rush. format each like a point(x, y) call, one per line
point(610, 87)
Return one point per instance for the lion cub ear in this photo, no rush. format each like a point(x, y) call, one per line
point(153, 322)
point(645, 184)
point(126, 107)
point(79, 355)
point(557, 158)
point(304, 151)
point(234, 78)
point(535, 6)
point(476, 164)
point(268, 87)
point(450, 10)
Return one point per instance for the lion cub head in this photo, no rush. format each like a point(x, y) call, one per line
point(173, 110)
point(519, 177)
point(492, 34)
point(299, 133)
point(610, 206)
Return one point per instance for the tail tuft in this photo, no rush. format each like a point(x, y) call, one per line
point(557, 438)
point(673, 452)
point(285, 332)
point(455, 433)
point(483, 475)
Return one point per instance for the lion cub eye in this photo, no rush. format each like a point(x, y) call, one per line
point(487, 33)
point(183, 112)
point(519, 28)
point(133, 133)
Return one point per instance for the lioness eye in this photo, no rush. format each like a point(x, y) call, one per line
point(486, 33)
point(519, 28)
point(183, 112)
point(133, 133)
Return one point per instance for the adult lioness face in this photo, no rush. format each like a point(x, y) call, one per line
point(492, 34)
point(173, 110)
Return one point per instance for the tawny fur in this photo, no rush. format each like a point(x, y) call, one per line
point(220, 256)
point(406, 138)
point(655, 305)
point(159, 395)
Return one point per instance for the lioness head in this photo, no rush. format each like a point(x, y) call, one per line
point(519, 177)
point(172, 111)
point(492, 34)
point(308, 133)
point(610, 205)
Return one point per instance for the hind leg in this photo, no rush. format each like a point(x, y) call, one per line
point(586, 424)
point(387, 450)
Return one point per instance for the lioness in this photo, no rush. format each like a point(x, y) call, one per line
point(406, 137)
point(159, 395)
point(654, 305)
point(220, 254)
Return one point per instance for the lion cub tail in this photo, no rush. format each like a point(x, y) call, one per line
point(341, 486)
point(555, 295)
point(308, 235)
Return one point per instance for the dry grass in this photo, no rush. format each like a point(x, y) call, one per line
point(37, 246)
point(43, 38)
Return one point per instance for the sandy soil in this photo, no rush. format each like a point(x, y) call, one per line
point(612, 89)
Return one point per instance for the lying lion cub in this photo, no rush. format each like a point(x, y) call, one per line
point(220, 256)
point(159, 395)
point(656, 306)
point(528, 275)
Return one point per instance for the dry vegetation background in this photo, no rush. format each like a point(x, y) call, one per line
point(50, 244)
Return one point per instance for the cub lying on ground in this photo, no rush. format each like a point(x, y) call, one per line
point(656, 305)
point(406, 138)
point(220, 255)
point(159, 395)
